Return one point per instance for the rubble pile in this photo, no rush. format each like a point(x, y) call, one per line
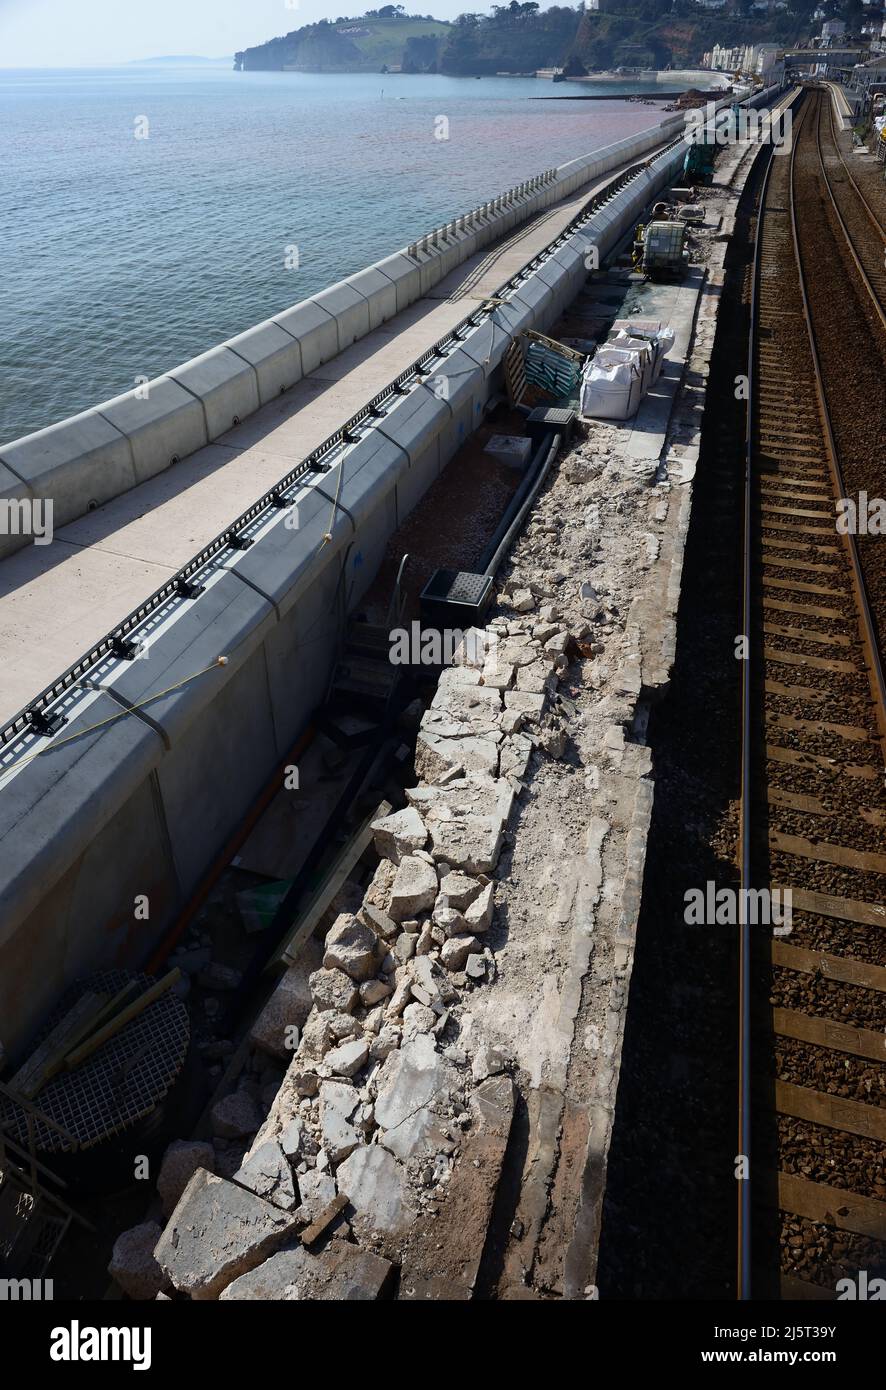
point(362, 1136)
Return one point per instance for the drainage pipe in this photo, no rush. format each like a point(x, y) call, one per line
point(520, 504)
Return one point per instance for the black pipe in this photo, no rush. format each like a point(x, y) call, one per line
point(520, 503)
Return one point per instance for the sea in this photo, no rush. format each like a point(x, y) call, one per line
point(148, 213)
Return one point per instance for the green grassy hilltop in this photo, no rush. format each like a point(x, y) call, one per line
point(379, 42)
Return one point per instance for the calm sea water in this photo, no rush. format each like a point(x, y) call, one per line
point(121, 257)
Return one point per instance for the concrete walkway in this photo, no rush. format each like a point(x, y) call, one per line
point(58, 600)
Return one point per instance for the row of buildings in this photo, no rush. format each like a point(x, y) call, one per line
point(751, 59)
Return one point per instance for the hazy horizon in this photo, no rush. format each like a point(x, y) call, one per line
point(104, 33)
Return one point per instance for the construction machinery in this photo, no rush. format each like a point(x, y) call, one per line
point(698, 165)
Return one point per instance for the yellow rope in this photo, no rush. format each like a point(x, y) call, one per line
point(112, 718)
point(327, 538)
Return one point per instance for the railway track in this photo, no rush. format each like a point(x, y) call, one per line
point(857, 217)
point(812, 1085)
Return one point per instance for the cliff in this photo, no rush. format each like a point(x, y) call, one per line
point(522, 38)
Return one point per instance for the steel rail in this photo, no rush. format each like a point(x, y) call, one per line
point(743, 1238)
point(865, 207)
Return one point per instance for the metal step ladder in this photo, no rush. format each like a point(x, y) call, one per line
point(364, 676)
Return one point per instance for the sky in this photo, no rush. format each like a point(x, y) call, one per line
point(87, 33)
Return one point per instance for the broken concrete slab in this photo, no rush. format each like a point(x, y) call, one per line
point(338, 1102)
point(372, 992)
point(400, 834)
point(436, 754)
point(478, 914)
point(384, 926)
point(342, 1273)
point(414, 888)
point(459, 889)
point(379, 1194)
point(348, 1059)
point(421, 1135)
point(217, 1232)
point(526, 702)
point(266, 1172)
point(457, 1248)
point(412, 1077)
point(466, 820)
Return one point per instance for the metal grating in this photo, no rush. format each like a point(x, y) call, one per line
point(120, 1084)
point(467, 588)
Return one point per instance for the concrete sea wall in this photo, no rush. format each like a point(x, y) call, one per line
point(138, 806)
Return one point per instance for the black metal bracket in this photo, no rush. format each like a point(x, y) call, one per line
point(126, 648)
point(237, 542)
point(186, 588)
point(46, 724)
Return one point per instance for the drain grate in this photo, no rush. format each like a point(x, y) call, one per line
point(121, 1083)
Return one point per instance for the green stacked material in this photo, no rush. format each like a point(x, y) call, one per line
point(551, 371)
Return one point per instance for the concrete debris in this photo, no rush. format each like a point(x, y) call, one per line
point(266, 1172)
point(522, 601)
point(317, 1190)
point(378, 894)
point(348, 1059)
point(350, 947)
point(373, 991)
point(376, 1185)
point(217, 1232)
point(333, 989)
point(338, 1101)
point(478, 913)
point(341, 1273)
point(488, 1061)
point(133, 1266)
point(475, 967)
point(291, 1139)
point(455, 951)
point(414, 888)
point(179, 1164)
point(385, 1043)
point(400, 834)
point(413, 1077)
point(417, 1018)
point(383, 925)
point(459, 890)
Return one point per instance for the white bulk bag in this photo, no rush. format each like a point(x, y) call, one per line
point(611, 391)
